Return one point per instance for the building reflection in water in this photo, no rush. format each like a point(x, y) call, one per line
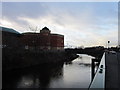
point(37, 77)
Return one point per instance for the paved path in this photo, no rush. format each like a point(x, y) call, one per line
point(118, 56)
point(112, 78)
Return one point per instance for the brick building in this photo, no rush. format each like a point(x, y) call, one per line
point(44, 40)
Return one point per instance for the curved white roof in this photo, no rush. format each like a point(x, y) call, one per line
point(8, 30)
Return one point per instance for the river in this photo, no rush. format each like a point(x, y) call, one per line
point(75, 74)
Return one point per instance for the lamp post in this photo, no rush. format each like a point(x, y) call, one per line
point(108, 44)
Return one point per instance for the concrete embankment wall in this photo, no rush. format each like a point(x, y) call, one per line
point(21, 59)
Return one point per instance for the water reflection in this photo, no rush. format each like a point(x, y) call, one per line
point(36, 77)
point(85, 64)
point(75, 74)
point(70, 62)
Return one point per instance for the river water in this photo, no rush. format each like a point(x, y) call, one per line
point(75, 74)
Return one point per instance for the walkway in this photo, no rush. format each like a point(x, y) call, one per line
point(112, 78)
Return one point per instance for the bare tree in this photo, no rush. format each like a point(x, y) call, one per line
point(34, 29)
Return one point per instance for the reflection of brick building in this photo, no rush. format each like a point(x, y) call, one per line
point(43, 40)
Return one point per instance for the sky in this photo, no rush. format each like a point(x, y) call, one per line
point(81, 23)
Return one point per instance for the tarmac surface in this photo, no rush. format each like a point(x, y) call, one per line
point(112, 74)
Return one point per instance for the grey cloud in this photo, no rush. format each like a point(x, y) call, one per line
point(14, 9)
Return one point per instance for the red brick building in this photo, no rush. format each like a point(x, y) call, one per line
point(44, 40)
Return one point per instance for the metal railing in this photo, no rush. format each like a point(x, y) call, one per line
point(99, 79)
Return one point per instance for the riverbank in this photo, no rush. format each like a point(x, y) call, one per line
point(21, 59)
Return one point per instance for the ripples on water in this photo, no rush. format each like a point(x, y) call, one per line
point(75, 74)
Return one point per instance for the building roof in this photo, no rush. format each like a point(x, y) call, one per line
point(45, 28)
point(8, 30)
point(30, 33)
point(53, 34)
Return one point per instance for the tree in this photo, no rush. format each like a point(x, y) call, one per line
point(34, 29)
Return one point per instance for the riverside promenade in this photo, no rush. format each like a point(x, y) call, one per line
point(107, 76)
point(112, 74)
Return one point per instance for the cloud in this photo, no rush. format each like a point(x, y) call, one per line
point(29, 9)
point(12, 24)
point(81, 26)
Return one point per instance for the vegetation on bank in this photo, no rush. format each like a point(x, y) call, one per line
point(96, 52)
point(14, 58)
point(20, 59)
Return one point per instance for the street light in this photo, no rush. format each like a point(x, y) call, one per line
point(108, 44)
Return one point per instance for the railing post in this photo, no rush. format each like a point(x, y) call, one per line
point(92, 69)
point(99, 78)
